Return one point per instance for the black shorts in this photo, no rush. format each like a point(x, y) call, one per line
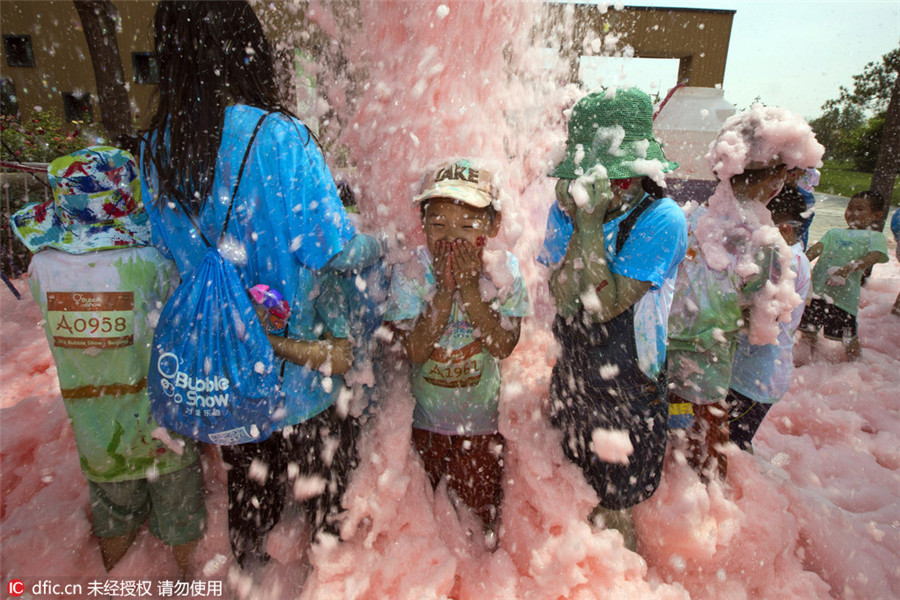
point(837, 323)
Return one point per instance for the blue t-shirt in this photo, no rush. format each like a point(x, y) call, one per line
point(654, 249)
point(810, 201)
point(288, 219)
point(895, 229)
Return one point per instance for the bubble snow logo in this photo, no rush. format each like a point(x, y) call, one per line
point(181, 387)
point(15, 587)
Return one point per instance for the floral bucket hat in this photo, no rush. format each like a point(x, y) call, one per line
point(613, 128)
point(96, 205)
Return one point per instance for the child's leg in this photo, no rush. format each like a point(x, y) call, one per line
point(843, 326)
point(852, 347)
point(435, 450)
point(896, 309)
point(114, 548)
point(810, 322)
point(706, 438)
point(811, 339)
point(183, 554)
point(476, 474)
point(620, 520)
point(118, 510)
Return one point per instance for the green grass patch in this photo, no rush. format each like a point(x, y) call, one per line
point(840, 178)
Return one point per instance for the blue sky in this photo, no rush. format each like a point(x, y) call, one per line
point(788, 53)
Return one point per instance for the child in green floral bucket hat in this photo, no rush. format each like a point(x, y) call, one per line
point(96, 205)
point(613, 243)
point(613, 128)
point(100, 285)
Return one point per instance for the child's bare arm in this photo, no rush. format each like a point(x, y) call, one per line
point(614, 293)
point(565, 284)
point(500, 341)
point(332, 356)
point(420, 341)
point(605, 294)
point(467, 268)
point(869, 260)
point(814, 251)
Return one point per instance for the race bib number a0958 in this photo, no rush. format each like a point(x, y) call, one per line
point(91, 319)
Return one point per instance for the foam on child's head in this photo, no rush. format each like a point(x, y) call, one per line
point(763, 136)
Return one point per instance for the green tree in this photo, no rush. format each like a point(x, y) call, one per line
point(98, 19)
point(836, 130)
point(866, 143)
point(877, 91)
point(872, 89)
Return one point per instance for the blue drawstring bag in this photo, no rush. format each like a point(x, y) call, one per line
point(212, 369)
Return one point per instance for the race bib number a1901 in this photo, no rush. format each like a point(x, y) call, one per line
point(91, 319)
point(457, 368)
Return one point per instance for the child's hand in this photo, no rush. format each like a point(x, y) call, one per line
point(467, 265)
point(262, 314)
point(443, 272)
point(340, 354)
point(592, 195)
point(838, 276)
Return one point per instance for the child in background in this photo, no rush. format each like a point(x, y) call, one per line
point(99, 283)
point(806, 185)
point(761, 374)
point(736, 273)
point(843, 256)
point(458, 311)
point(895, 229)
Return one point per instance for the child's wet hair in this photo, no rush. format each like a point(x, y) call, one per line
point(787, 206)
point(873, 198)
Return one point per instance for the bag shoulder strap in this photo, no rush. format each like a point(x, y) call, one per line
point(628, 222)
point(237, 182)
point(181, 201)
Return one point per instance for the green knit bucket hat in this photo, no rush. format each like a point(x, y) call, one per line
point(613, 128)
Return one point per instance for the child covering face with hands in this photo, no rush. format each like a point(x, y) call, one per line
point(457, 308)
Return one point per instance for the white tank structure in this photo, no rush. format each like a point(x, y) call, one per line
point(686, 124)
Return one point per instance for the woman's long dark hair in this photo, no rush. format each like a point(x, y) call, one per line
point(211, 54)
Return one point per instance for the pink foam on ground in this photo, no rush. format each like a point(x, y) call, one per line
point(812, 515)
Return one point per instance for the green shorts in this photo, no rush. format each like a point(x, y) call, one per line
point(174, 503)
